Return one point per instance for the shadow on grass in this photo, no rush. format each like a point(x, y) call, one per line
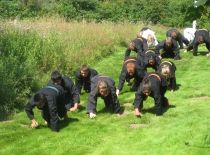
point(203, 53)
point(109, 110)
point(152, 110)
point(177, 87)
point(81, 108)
point(65, 123)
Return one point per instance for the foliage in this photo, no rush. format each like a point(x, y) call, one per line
point(171, 13)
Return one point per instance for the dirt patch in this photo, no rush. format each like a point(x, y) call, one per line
point(7, 121)
point(127, 112)
point(24, 125)
point(201, 98)
point(128, 104)
point(137, 125)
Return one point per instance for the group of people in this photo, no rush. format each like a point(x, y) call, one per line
point(61, 95)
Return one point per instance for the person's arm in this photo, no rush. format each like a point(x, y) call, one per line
point(138, 102)
point(195, 48)
point(121, 80)
point(53, 113)
point(73, 93)
point(29, 111)
point(78, 82)
point(176, 50)
point(127, 52)
point(179, 38)
point(158, 101)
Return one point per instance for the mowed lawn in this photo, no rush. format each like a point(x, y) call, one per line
point(184, 128)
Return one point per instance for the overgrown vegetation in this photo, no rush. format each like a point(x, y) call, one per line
point(183, 128)
point(30, 51)
point(173, 13)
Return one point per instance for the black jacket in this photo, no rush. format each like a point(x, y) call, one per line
point(138, 74)
point(71, 92)
point(172, 67)
point(110, 99)
point(140, 47)
point(80, 80)
point(159, 87)
point(54, 106)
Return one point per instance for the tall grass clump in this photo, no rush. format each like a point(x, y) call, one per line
point(32, 49)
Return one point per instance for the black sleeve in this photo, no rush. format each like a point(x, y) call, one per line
point(78, 81)
point(29, 108)
point(127, 52)
point(72, 89)
point(158, 47)
point(53, 112)
point(122, 79)
point(158, 101)
point(139, 97)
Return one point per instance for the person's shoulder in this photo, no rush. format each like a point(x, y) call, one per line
point(67, 79)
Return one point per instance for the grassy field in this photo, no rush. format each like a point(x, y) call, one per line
point(183, 129)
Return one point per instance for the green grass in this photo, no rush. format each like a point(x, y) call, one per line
point(182, 130)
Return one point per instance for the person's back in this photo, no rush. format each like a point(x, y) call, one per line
point(51, 100)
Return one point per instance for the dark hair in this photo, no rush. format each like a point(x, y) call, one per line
point(39, 98)
point(146, 84)
point(56, 75)
point(84, 68)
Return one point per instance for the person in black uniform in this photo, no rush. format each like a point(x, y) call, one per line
point(51, 100)
point(151, 60)
point(139, 45)
point(72, 97)
point(169, 49)
point(201, 36)
point(104, 87)
point(155, 86)
point(175, 34)
point(167, 69)
point(83, 77)
point(131, 69)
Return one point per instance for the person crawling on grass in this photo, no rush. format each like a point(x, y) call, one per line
point(72, 97)
point(149, 35)
point(51, 101)
point(176, 35)
point(201, 36)
point(155, 86)
point(151, 60)
point(104, 87)
point(83, 77)
point(131, 69)
point(138, 45)
point(168, 48)
point(167, 69)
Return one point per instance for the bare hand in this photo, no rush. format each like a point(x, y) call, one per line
point(72, 109)
point(117, 92)
point(92, 115)
point(34, 124)
point(137, 112)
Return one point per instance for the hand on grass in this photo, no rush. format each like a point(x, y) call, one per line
point(117, 92)
point(92, 115)
point(34, 123)
point(137, 112)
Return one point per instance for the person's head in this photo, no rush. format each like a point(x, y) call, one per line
point(174, 34)
point(168, 41)
point(200, 39)
point(102, 88)
point(150, 39)
point(39, 100)
point(130, 68)
point(84, 70)
point(132, 46)
point(165, 71)
point(151, 60)
point(140, 34)
point(56, 77)
point(146, 87)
